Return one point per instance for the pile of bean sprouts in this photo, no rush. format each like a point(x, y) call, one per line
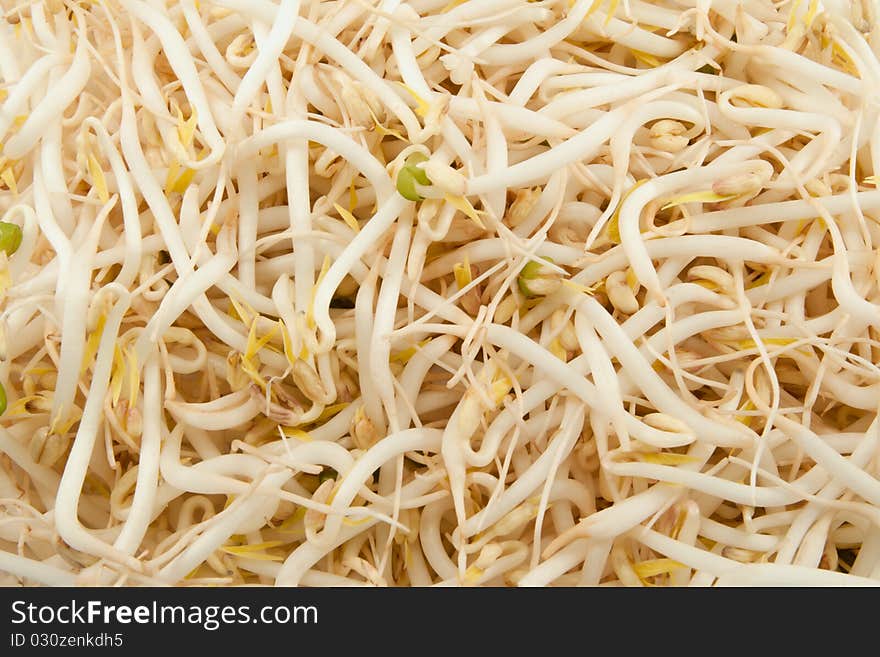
point(441, 292)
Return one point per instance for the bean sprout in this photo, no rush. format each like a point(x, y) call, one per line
point(505, 293)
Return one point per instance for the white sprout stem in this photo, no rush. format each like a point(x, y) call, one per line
point(183, 66)
point(630, 213)
point(604, 375)
point(839, 467)
point(248, 217)
point(222, 526)
point(387, 213)
point(131, 219)
point(76, 300)
point(785, 575)
point(622, 140)
point(640, 371)
point(336, 51)
point(269, 50)
point(76, 467)
point(45, 479)
point(224, 413)
point(141, 514)
point(299, 213)
point(34, 570)
point(582, 146)
point(422, 439)
point(364, 315)
point(184, 292)
point(554, 567)
point(414, 374)
point(207, 47)
point(380, 348)
point(25, 87)
point(528, 482)
point(67, 89)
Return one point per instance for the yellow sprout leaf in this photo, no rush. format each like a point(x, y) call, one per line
point(558, 350)
point(177, 182)
point(98, 180)
point(708, 543)
point(611, 11)
point(254, 344)
point(593, 7)
point(792, 15)
point(310, 314)
point(173, 172)
point(707, 196)
point(92, 343)
point(8, 178)
point(472, 575)
point(60, 427)
point(186, 128)
point(254, 551)
point(747, 405)
point(287, 526)
point(330, 411)
point(134, 378)
point(461, 204)
point(422, 106)
point(249, 368)
point(298, 434)
point(386, 132)
point(117, 374)
point(583, 289)
point(241, 311)
point(664, 458)
point(288, 343)
point(842, 59)
point(462, 271)
point(680, 517)
point(183, 181)
point(452, 5)
point(612, 229)
point(352, 196)
point(811, 13)
point(347, 217)
point(750, 344)
point(646, 58)
point(499, 389)
point(404, 355)
point(654, 567)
